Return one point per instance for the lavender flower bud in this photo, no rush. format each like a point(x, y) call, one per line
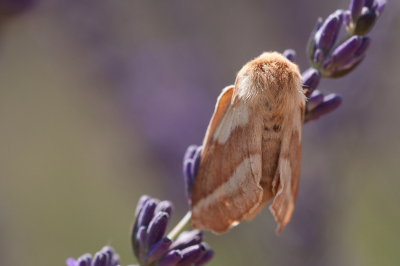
point(156, 228)
point(146, 214)
point(100, 259)
point(310, 80)
point(356, 7)
point(331, 102)
point(318, 56)
point(311, 46)
point(112, 258)
point(190, 151)
point(290, 54)
point(365, 23)
point(206, 258)
point(325, 37)
point(157, 250)
point(190, 167)
point(171, 259)
point(165, 206)
point(346, 57)
point(84, 260)
point(208, 255)
point(191, 255)
point(143, 199)
point(363, 47)
point(346, 50)
point(316, 98)
point(187, 238)
point(140, 242)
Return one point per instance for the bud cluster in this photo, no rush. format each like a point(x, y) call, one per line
point(105, 257)
point(336, 60)
point(151, 247)
point(330, 59)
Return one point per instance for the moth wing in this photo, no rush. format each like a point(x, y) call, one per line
point(227, 186)
point(223, 102)
point(287, 177)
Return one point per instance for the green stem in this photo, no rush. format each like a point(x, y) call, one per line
point(182, 225)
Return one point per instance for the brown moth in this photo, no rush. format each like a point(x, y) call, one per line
point(252, 147)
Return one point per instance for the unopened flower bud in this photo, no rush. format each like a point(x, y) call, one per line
point(316, 98)
point(326, 35)
point(330, 103)
point(171, 258)
point(191, 255)
point(310, 80)
point(290, 54)
point(346, 50)
point(356, 7)
point(365, 23)
point(157, 250)
point(187, 239)
point(156, 228)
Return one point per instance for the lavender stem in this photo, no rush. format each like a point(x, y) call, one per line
point(180, 226)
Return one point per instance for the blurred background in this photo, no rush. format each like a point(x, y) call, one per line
point(99, 100)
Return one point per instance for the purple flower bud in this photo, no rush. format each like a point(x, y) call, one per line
point(112, 258)
point(331, 102)
point(191, 255)
point(311, 46)
point(171, 259)
point(143, 199)
point(349, 65)
point(190, 167)
point(363, 47)
point(71, 262)
point(356, 7)
point(84, 260)
point(365, 23)
point(187, 238)
point(156, 228)
point(290, 54)
point(316, 98)
point(190, 151)
point(310, 80)
point(157, 250)
point(165, 206)
point(346, 50)
point(139, 242)
point(206, 258)
point(318, 56)
point(147, 213)
point(100, 259)
point(325, 37)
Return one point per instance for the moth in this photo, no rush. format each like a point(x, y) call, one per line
point(252, 147)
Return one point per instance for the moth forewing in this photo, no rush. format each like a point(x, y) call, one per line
point(248, 155)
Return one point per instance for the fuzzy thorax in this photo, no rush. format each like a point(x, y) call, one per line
point(271, 82)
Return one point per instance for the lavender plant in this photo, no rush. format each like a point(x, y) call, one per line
point(328, 58)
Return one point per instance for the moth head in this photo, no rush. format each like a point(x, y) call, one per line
point(269, 78)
